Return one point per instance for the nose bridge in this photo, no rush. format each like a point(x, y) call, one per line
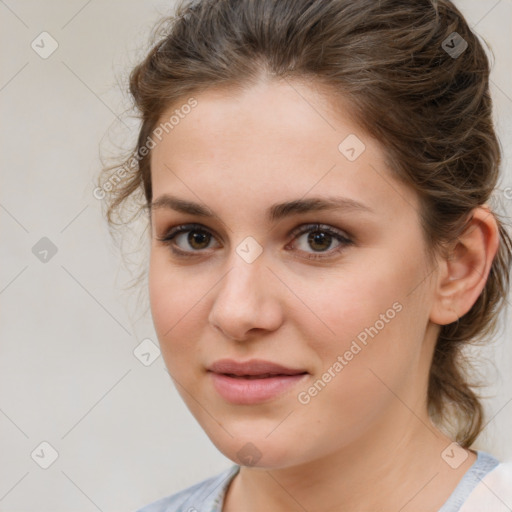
point(247, 264)
point(244, 298)
point(242, 280)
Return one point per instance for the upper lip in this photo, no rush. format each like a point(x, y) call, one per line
point(251, 367)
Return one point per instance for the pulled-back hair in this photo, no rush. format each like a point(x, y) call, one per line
point(407, 80)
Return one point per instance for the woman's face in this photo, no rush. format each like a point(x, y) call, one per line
point(344, 305)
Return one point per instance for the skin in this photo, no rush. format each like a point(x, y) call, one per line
point(365, 442)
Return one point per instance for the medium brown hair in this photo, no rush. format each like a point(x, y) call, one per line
point(390, 61)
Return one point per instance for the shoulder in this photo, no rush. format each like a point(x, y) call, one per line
point(196, 498)
point(493, 493)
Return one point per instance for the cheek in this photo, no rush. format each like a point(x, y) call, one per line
point(174, 308)
point(162, 296)
point(348, 304)
point(368, 357)
point(373, 320)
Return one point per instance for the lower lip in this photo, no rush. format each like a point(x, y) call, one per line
point(242, 391)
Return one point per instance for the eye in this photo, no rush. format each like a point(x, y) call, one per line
point(187, 239)
point(321, 238)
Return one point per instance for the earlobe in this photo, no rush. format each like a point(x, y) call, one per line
point(463, 273)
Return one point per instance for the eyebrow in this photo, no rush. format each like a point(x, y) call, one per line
point(275, 212)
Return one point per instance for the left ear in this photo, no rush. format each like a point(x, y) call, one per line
point(463, 273)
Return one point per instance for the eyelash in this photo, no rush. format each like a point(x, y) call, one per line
point(168, 238)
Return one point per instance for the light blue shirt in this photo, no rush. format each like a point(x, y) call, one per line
point(208, 495)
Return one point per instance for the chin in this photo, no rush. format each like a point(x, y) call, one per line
point(258, 452)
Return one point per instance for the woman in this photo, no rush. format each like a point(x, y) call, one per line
point(316, 176)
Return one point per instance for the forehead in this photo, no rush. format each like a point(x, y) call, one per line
point(275, 139)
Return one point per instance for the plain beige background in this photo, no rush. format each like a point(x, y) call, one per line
point(68, 372)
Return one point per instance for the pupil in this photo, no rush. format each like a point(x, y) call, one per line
point(197, 237)
point(318, 237)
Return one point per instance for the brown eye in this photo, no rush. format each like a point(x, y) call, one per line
point(198, 239)
point(187, 239)
point(320, 240)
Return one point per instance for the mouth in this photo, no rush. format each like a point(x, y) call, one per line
point(252, 382)
point(262, 376)
point(258, 368)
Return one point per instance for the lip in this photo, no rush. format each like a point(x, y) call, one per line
point(254, 381)
point(252, 367)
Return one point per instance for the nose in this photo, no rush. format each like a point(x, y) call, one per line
point(247, 303)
